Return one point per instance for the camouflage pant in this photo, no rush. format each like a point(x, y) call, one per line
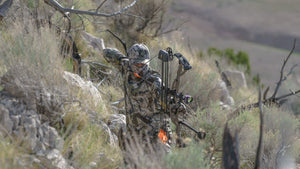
point(144, 130)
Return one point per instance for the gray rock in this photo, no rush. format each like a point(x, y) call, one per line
point(111, 139)
point(93, 164)
point(55, 141)
point(5, 120)
point(87, 87)
point(94, 42)
point(236, 78)
point(38, 137)
point(56, 160)
point(117, 122)
point(221, 93)
point(16, 120)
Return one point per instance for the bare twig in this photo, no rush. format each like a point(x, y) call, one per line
point(287, 95)
point(259, 147)
point(123, 42)
point(62, 9)
point(282, 69)
point(290, 72)
point(100, 6)
point(273, 99)
point(266, 92)
point(105, 78)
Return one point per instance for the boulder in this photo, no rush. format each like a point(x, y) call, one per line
point(221, 93)
point(94, 42)
point(236, 78)
point(76, 82)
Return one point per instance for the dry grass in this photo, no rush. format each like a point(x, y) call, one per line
point(33, 68)
point(90, 145)
point(38, 65)
point(9, 154)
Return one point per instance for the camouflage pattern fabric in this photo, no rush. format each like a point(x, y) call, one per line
point(139, 53)
point(143, 93)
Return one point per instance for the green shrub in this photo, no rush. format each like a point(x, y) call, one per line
point(214, 51)
point(239, 58)
point(191, 157)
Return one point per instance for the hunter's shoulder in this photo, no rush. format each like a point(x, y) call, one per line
point(154, 76)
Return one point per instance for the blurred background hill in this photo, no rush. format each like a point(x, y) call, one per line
point(265, 29)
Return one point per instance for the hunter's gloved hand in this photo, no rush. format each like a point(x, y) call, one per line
point(112, 55)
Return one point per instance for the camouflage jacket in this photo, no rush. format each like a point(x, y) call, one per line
point(142, 100)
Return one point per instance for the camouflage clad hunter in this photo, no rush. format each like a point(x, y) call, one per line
point(143, 92)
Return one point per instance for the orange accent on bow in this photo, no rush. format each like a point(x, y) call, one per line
point(137, 75)
point(163, 136)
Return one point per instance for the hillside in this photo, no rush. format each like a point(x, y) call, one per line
point(62, 102)
point(264, 29)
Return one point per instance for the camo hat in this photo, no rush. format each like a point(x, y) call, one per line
point(139, 53)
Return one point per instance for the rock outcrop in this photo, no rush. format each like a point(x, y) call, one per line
point(31, 118)
point(21, 123)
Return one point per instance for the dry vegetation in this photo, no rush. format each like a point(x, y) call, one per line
point(33, 58)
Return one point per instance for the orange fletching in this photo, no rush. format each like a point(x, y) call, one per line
point(163, 136)
point(136, 75)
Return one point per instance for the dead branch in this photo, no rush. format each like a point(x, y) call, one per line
point(287, 95)
point(100, 6)
point(273, 99)
point(265, 93)
point(282, 69)
point(290, 72)
point(259, 147)
point(63, 10)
